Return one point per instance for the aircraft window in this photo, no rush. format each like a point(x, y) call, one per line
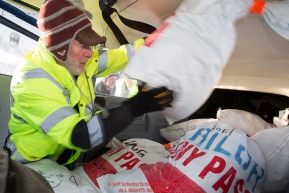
point(115, 85)
point(21, 22)
point(13, 44)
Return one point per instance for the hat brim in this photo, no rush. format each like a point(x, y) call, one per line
point(89, 37)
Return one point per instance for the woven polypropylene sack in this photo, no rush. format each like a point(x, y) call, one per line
point(243, 120)
point(174, 132)
point(131, 155)
point(214, 157)
point(275, 145)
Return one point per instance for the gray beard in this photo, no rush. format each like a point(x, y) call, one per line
point(71, 67)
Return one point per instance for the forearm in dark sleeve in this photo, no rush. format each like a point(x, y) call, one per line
point(80, 135)
point(119, 118)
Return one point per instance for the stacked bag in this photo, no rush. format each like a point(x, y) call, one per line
point(212, 157)
point(239, 119)
point(192, 47)
point(227, 154)
point(128, 155)
point(61, 179)
point(274, 142)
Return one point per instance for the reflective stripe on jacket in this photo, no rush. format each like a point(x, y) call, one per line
point(43, 97)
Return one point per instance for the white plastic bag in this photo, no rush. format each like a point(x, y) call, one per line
point(276, 15)
point(61, 179)
point(275, 145)
point(243, 120)
point(282, 120)
point(174, 132)
point(189, 51)
point(131, 155)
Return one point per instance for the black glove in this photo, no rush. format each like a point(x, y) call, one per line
point(149, 100)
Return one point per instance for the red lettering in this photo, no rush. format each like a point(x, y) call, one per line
point(184, 149)
point(125, 156)
point(174, 150)
point(212, 168)
point(195, 154)
point(239, 186)
point(228, 176)
point(130, 164)
point(110, 153)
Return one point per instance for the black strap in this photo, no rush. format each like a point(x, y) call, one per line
point(137, 25)
point(116, 31)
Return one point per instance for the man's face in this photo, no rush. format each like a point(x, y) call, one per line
point(110, 82)
point(78, 56)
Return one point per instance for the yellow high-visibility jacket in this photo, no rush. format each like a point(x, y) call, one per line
point(43, 97)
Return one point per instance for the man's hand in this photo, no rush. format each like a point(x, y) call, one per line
point(150, 100)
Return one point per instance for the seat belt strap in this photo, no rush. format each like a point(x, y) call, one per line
point(116, 31)
point(107, 11)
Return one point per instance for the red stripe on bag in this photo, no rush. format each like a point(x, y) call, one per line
point(152, 37)
point(167, 178)
point(98, 167)
point(257, 6)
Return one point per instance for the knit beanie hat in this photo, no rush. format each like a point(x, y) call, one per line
point(114, 74)
point(60, 22)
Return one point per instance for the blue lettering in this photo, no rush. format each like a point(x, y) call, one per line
point(220, 149)
point(254, 171)
point(238, 158)
point(204, 136)
point(198, 132)
point(246, 165)
point(212, 139)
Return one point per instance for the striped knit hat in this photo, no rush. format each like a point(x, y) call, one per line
point(60, 22)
